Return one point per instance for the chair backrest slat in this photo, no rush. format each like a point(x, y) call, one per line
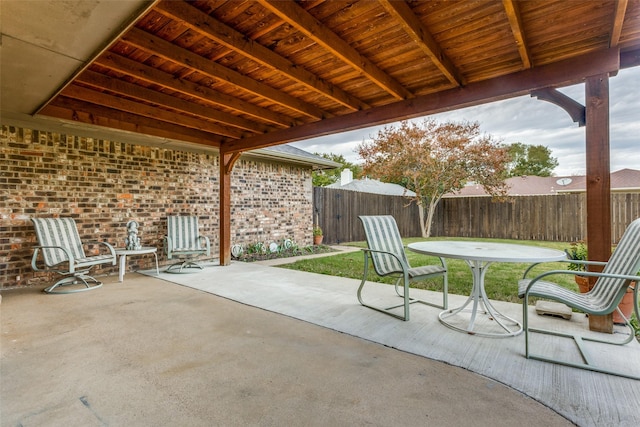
point(61, 232)
point(183, 231)
point(382, 234)
point(624, 260)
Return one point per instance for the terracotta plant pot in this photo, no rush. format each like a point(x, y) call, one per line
point(625, 306)
point(317, 240)
point(583, 283)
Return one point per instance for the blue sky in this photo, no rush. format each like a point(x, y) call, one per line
point(535, 122)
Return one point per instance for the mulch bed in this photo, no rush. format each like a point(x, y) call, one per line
point(307, 250)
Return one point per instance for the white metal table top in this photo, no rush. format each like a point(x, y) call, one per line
point(142, 250)
point(487, 251)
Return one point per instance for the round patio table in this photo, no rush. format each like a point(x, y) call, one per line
point(479, 256)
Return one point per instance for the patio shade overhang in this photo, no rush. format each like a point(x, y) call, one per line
point(233, 76)
point(240, 75)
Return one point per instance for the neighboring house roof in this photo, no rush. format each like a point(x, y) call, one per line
point(626, 179)
point(622, 180)
point(292, 154)
point(369, 185)
point(374, 186)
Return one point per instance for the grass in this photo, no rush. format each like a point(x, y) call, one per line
point(501, 281)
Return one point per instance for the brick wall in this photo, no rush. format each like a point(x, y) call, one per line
point(104, 184)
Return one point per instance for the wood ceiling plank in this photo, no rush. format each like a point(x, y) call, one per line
point(467, 20)
point(423, 38)
point(314, 29)
point(171, 52)
point(560, 20)
point(155, 76)
point(236, 41)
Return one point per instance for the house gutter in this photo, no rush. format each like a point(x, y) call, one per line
point(316, 162)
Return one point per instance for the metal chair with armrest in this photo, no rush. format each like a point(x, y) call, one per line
point(386, 252)
point(619, 273)
point(184, 242)
point(63, 253)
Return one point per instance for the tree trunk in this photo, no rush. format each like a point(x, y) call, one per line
point(423, 228)
point(425, 223)
point(432, 210)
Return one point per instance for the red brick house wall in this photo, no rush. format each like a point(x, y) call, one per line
point(104, 184)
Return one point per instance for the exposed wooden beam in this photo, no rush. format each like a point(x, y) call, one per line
point(618, 21)
point(149, 74)
point(170, 52)
point(308, 25)
point(629, 59)
point(515, 21)
point(236, 41)
point(571, 106)
point(423, 38)
point(227, 160)
point(121, 87)
point(122, 104)
point(82, 112)
point(559, 74)
point(598, 180)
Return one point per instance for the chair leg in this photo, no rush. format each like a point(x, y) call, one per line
point(386, 310)
point(180, 266)
point(445, 302)
point(77, 279)
point(579, 341)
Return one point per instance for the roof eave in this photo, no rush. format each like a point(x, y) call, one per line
point(316, 164)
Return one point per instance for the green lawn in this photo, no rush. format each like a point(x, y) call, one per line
point(500, 282)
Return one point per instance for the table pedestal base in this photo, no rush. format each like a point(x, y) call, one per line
point(479, 304)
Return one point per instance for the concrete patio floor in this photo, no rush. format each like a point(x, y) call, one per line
point(250, 344)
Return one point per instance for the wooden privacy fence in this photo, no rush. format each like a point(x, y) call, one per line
point(337, 211)
point(560, 217)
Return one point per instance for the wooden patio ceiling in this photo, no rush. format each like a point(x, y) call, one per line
point(238, 75)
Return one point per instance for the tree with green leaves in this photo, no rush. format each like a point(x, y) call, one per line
point(530, 160)
point(434, 159)
point(322, 178)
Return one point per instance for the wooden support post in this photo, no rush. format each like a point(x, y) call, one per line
point(227, 160)
point(598, 180)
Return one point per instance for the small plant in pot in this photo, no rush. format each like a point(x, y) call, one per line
point(578, 252)
point(317, 235)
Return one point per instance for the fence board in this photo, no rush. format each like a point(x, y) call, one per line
point(560, 217)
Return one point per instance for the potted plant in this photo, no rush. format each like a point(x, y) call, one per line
point(578, 251)
point(317, 234)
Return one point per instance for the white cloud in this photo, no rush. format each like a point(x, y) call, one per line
point(532, 121)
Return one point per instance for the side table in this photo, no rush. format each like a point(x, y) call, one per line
point(123, 258)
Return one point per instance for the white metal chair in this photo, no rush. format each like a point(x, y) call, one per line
point(62, 252)
point(184, 242)
point(617, 276)
point(387, 254)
